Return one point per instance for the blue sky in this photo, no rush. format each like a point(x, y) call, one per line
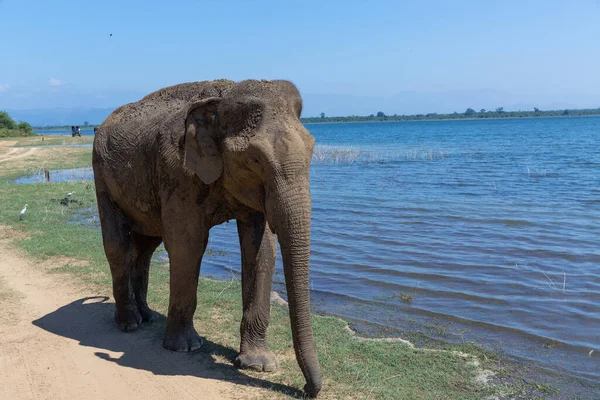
point(59, 53)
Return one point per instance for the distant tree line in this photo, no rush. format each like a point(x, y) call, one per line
point(470, 113)
point(86, 124)
point(10, 128)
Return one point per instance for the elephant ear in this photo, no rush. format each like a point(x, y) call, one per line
point(201, 150)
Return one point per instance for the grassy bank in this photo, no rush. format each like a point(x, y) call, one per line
point(6, 133)
point(51, 140)
point(15, 162)
point(63, 127)
point(351, 367)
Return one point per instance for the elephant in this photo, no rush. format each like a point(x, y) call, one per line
point(191, 156)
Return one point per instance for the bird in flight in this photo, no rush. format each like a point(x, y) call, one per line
point(111, 35)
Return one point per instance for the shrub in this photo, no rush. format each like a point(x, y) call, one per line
point(9, 128)
point(15, 133)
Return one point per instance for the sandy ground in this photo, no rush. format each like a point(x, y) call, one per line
point(16, 153)
point(58, 341)
point(18, 159)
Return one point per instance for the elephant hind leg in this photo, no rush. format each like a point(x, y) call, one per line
point(142, 249)
point(186, 237)
point(116, 228)
point(123, 252)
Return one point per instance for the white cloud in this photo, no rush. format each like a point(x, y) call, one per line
point(56, 82)
point(4, 87)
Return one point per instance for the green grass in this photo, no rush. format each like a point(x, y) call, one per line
point(9, 133)
point(60, 140)
point(50, 140)
point(351, 368)
point(46, 157)
point(62, 128)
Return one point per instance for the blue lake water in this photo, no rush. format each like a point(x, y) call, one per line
point(492, 226)
point(84, 131)
point(60, 175)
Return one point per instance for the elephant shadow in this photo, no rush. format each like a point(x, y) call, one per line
point(90, 321)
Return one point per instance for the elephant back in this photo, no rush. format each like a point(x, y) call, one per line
point(159, 106)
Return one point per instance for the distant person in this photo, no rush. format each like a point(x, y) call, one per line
point(95, 129)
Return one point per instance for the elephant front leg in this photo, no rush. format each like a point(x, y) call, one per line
point(185, 254)
point(258, 262)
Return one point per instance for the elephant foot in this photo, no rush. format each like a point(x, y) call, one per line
point(183, 341)
point(261, 360)
point(128, 319)
point(147, 314)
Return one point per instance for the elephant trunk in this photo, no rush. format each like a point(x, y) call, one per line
point(290, 209)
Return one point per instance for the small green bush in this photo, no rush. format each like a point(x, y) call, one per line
point(9, 128)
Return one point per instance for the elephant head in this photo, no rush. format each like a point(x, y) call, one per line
point(252, 142)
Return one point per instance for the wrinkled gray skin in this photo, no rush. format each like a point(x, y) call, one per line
point(186, 158)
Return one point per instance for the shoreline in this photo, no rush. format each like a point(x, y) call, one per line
point(420, 326)
point(449, 119)
point(83, 244)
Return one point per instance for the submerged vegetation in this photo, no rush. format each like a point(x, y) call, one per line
point(468, 114)
point(10, 128)
point(406, 297)
point(341, 155)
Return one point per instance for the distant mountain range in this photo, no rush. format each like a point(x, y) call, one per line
point(337, 105)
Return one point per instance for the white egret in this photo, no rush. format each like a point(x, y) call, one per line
point(23, 211)
point(70, 194)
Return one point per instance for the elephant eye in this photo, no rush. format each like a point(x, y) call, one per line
point(255, 160)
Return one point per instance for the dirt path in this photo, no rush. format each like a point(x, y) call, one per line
point(17, 152)
point(58, 341)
